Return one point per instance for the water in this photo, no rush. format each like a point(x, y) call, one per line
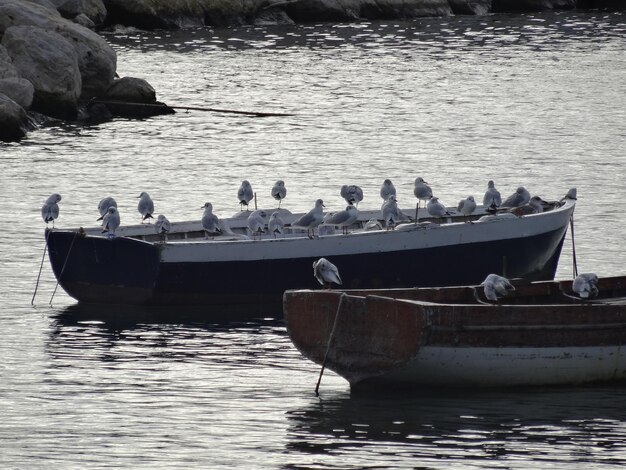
point(536, 100)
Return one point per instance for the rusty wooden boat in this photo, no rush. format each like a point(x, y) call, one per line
point(541, 334)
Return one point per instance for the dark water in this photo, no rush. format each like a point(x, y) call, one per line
point(535, 100)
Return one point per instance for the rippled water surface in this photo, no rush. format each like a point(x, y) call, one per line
point(536, 100)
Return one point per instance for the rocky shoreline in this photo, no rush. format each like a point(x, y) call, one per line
point(53, 64)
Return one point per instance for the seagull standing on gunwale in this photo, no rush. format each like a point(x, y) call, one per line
point(50, 209)
point(111, 221)
point(496, 287)
point(245, 194)
point(311, 219)
point(520, 197)
point(387, 189)
point(104, 205)
point(326, 272)
point(421, 190)
point(467, 206)
point(210, 222)
point(391, 213)
point(435, 208)
point(276, 224)
point(162, 225)
point(256, 223)
point(145, 206)
point(279, 191)
point(343, 219)
point(492, 197)
point(353, 194)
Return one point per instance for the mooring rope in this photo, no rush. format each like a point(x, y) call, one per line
point(330, 339)
point(574, 263)
point(32, 301)
point(63, 268)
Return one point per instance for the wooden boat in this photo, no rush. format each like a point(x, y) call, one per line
point(139, 267)
point(539, 334)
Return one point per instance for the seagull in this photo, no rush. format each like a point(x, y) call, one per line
point(276, 224)
point(210, 222)
point(343, 219)
point(279, 191)
point(352, 194)
point(435, 208)
point(311, 219)
point(520, 197)
point(387, 189)
point(145, 206)
point(467, 206)
point(534, 206)
point(496, 286)
point(111, 221)
point(162, 226)
point(256, 223)
point(421, 190)
point(104, 204)
point(391, 213)
point(585, 285)
point(50, 208)
point(245, 194)
point(326, 272)
point(492, 196)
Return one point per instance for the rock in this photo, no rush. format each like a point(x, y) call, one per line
point(92, 9)
point(19, 90)
point(84, 20)
point(470, 7)
point(13, 120)
point(7, 70)
point(47, 4)
point(50, 63)
point(506, 6)
point(133, 97)
point(96, 59)
point(156, 14)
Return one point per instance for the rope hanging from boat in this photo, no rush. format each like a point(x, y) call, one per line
point(63, 268)
point(574, 263)
point(330, 339)
point(32, 301)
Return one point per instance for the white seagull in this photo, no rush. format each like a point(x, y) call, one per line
point(104, 205)
point(435, 208)
point(467, 206)
point(50, 208)
point(421, 190)
point(162, 225)
point(326, 272)
point(387, 189)
point(391, 213)
point(210, 222)
point(585, 285)
point(276, 225)
point(496, 287)
point(311, 219)
point(145, 206)
point(520, 197)
point(256, 223)
point(343, 219)
point(111, 221)
point(279, 191)
point(492, 196)
point(352, 194)
point(245, 194)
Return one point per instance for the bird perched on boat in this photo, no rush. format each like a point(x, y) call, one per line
point(585, 285)
point(571, 194)
point(145, 206)
point(520, 197)
point(421, 190)
point(111, 221)
point(387, 189)
point(326, 273)
point(279, 191)
point(466, 206)
point(245, 194)
point(352, 194)
point(343, 219)
point(162, 226)
point(276, 224)
point(256, 223)
point(311, 219)
point(104, 205)
point(50, 209)
point(391, 213)
point(435, 208)
point(534, 206)
point(496, 287)
point(210, 222)
point(492, 197)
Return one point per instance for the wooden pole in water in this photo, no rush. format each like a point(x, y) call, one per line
point(193, 108)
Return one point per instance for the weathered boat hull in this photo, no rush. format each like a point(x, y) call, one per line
point(413, 339)
point(222, 274)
